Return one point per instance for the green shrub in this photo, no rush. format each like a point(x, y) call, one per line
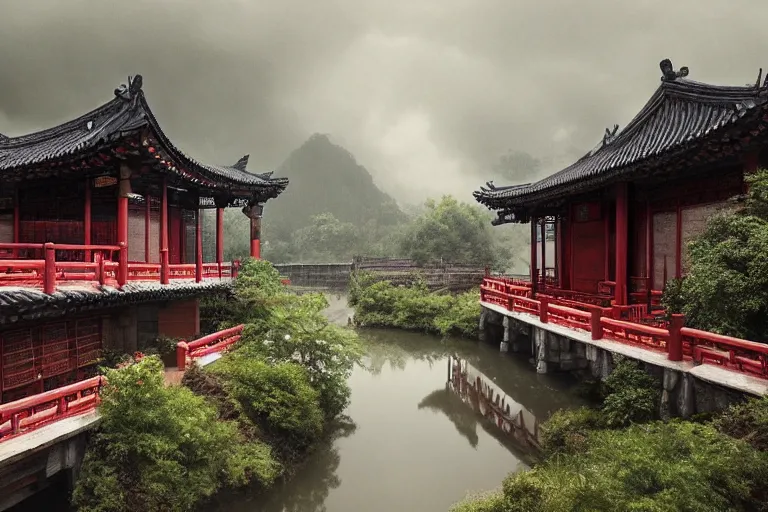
point(381, 304)
point(631, 395)
point(567, 431)
point(653, 467)
point(276, 396)
point(747, 421)
point(162, 448)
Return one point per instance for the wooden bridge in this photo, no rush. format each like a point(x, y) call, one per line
point(44, 434)
point(399, 271)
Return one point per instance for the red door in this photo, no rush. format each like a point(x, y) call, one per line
point(588, 249)
point(175, 236)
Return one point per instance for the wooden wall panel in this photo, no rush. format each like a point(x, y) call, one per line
point(588, 255)
point(664, 247)
point(154, 236)
point(179, 319)
point(136, 230)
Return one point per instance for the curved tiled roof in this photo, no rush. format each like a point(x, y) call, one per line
point(679, 113)
point(127, 113)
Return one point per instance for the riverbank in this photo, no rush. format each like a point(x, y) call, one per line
point(247, 419)
point(620, 456)
point(414, 308)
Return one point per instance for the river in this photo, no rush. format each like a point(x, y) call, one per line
point(414, 441)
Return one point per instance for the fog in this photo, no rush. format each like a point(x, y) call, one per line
point(427, 94)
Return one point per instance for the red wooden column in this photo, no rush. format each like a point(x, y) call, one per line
point(534, 252)
point(122, 222)
point(198, 246)
point(147, 227)
point(543, 253)
point(254, 212)
point(649, 248)
point(622, 215)
point(219, 236)
point(87, 218)
point(558, 252)
point(256, 238)
point(164, 271)
point(679, 243)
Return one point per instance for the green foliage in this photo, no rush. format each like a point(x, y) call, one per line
point(162, 448)
point(452, 231)
point(726, 288)
point(567, 431)
point(276, 396)
point(747, 421)
point(380, 304)
point(632, 396)
point(653, 467)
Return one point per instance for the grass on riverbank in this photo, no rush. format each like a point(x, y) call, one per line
point(620, 457)
point(246, 419)
point(381, 304)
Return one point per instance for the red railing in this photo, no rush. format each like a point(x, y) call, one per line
point(36, 411)
point(210, 344)
point(621, 323)
point(105, 268)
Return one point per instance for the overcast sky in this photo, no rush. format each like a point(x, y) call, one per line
point(425, 93)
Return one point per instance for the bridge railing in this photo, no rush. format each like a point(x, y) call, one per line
point(36, 411)
point(678, 342)
point(210, 344)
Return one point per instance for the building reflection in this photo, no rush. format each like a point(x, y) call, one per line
point(470, 398)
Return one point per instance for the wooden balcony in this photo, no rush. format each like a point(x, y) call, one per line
point(55, 265)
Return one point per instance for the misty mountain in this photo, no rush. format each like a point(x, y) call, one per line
point(326, 178)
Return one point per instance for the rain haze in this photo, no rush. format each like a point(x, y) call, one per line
point(427, 95)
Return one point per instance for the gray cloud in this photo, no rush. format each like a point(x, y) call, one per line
point(425, 93)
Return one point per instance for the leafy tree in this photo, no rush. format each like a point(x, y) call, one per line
point(726, 288)
point(326, 239)
point(162, 447)
point(454, 232)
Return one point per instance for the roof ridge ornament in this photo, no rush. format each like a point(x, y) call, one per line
point(610, 135)
point(242, 163)
point(128, 92)
point(668, 73)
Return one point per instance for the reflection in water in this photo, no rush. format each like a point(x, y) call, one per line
point(308, 488)
point(416, 426)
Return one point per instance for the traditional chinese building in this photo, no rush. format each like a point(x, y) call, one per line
point(622, 214)
point(101, 240)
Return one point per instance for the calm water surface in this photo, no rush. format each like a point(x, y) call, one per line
point(414, 442)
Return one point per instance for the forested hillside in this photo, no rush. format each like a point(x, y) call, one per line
point(332, 211)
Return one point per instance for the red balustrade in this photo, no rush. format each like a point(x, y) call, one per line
point(210, 344)
point(105, 268)
point(734, 353)
point(623, 324)
point(36, 411)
